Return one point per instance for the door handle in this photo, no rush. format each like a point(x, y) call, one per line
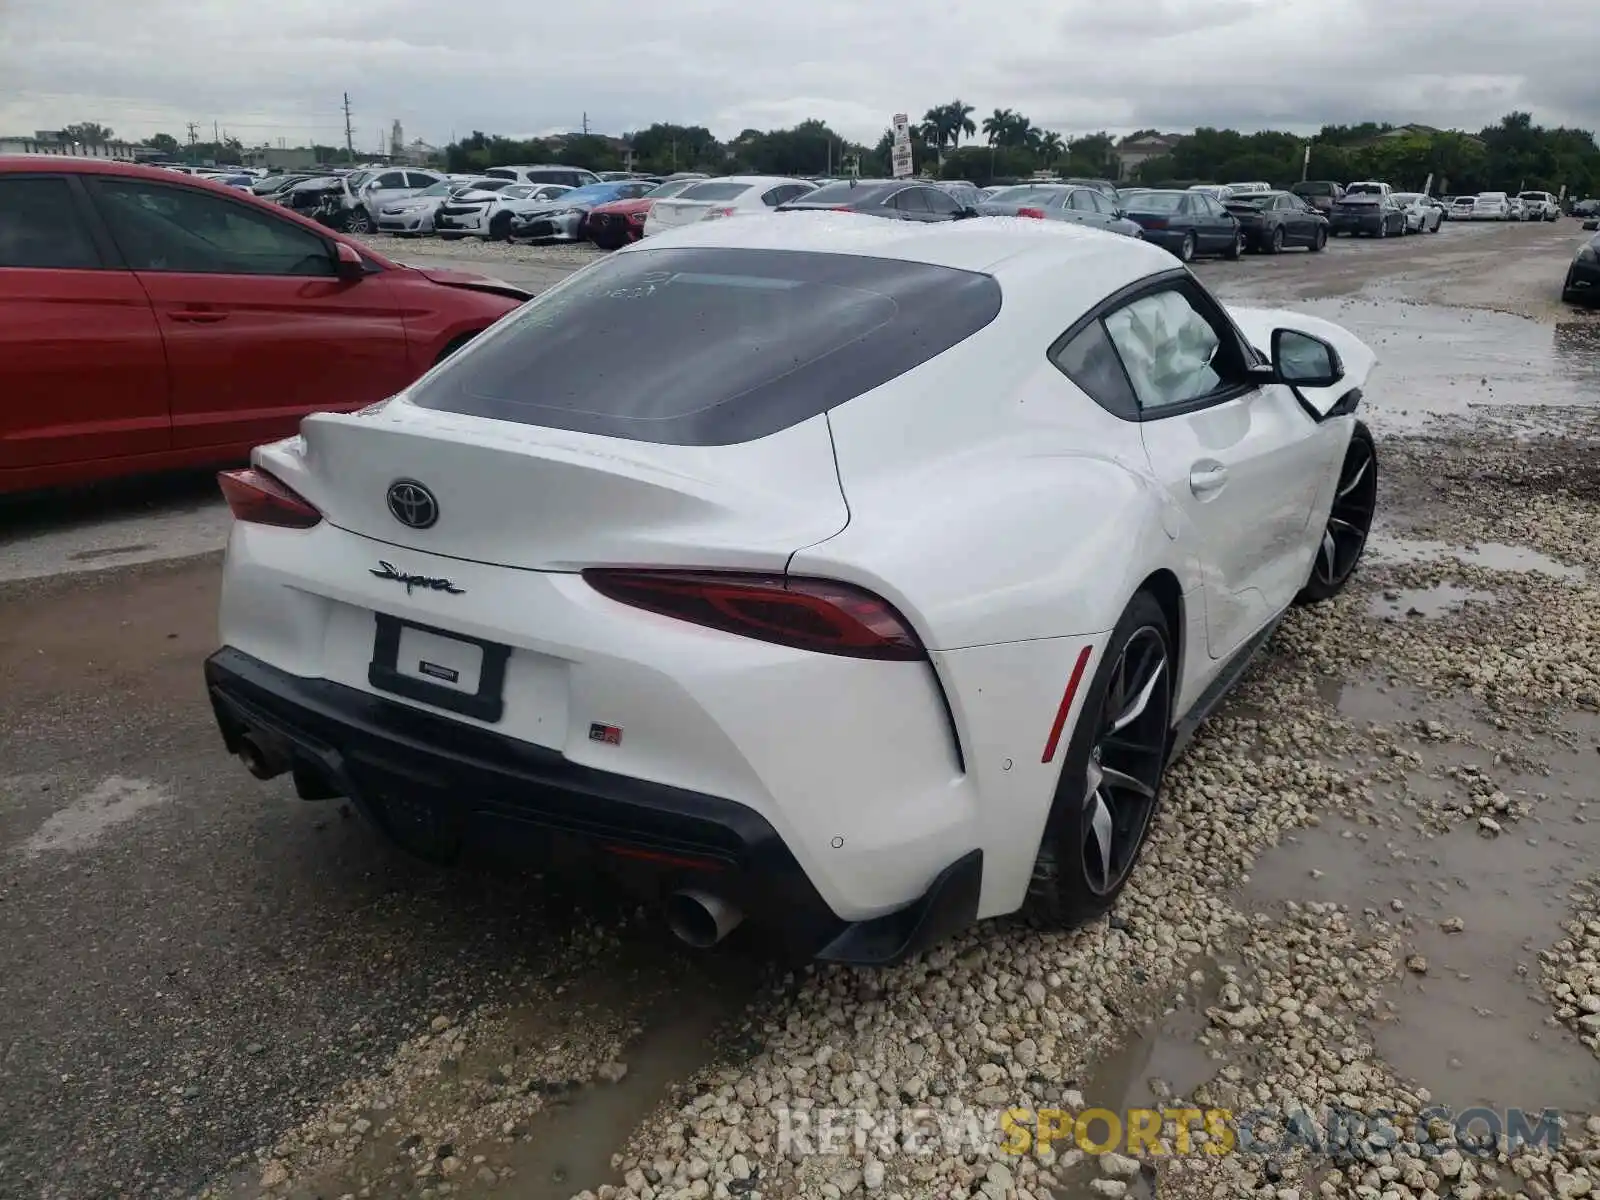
point(1207, 479)
point(198, 316)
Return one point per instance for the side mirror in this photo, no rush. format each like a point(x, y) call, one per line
point(348, 265)
point(1306, 361)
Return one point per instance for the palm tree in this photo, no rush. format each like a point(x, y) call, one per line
point(936, 126)
point(1051, 147)
point(960, 121)
point(998, 125)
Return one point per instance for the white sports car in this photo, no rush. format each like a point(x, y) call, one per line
point(861, 576)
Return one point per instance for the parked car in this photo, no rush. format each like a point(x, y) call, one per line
point(894, 199)
point(1374, 214)
point(1104, 186)
point(1491, 206)
point(414, 215)
point(317, 191)
point(563, 218)
point(151, 320)
point(1540, 206)
point(1515, 211)
point(276, 185)
point(1080, 205)
point(611, 226)
point(573, 177)
point(368, 191)
point(1256, 188)
point(1217, 191)
point(1422, 215)
point(1321, 194)
point(634, 619)
point(1582, 285)
point(1585, 208)
point(1188, 223)
point(729, 196)
point(1462, 207)
point(1272, 221)
point(487, 209)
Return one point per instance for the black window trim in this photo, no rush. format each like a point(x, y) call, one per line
point(111, 258)
point(269, 212)
point(1202, 301)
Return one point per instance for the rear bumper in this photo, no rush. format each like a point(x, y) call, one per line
point(442, 787)
point(1345, 223)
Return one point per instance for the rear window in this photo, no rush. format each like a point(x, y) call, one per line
point(715, 191)
point(500, 173)
point(710, 347)
point(841, 193)
point(1363, 189)
point(1156, 202)
point(1314, 189)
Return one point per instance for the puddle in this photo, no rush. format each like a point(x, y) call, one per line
point(1493, 555)
point(1436, 601)
point(1474, 1028)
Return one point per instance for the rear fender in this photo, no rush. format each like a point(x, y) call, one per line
point(1005, 548)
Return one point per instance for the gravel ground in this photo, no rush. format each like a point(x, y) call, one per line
point(571, 255)
point(1370, 891)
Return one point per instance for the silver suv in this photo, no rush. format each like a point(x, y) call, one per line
point(573, 177)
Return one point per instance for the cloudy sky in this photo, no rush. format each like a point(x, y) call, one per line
point(269, 69)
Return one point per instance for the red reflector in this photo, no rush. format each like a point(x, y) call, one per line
point(668, 860)
point(1036, 213)
point(1066, 704)
point(258, 498)
point(807, 614)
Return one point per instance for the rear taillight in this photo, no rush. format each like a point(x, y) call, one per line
point(1036, 213)
point(258, 498)
point(808, 614)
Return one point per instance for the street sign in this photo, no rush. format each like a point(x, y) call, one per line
point(900, 154)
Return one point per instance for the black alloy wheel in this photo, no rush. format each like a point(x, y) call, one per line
point(1319, 239)
point(1235, 250)
point(1344, 537)
point(1276, 244)
point(1111, 777)
point(1186, 248)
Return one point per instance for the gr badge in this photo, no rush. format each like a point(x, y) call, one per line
point(611, 735)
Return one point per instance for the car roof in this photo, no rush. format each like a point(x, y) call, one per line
point(754, 180)
point(987, 245)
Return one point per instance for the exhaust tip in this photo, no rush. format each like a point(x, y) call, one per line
point(699, 919)
point(254, 758)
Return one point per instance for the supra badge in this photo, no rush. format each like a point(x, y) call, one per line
point(431, 582)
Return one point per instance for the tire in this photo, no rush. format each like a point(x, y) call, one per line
point(500, 227)
point(1186, 248)
point(1383, 230)
point(358, 220)
point(1070, 883)
point(1275, 242)
point(1319, 240)
point(1344, 536)
point(1236, 250)
point(451, 237)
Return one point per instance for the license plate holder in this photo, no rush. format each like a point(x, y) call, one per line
point(448, 670)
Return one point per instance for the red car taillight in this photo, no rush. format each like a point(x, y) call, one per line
point(258, 498)
point(808, 614)
point(638, 218)
point(1036, 213)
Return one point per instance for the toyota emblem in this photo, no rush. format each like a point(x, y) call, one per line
point(412, 504)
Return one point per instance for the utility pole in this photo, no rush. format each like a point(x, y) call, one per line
point(194, 133)
point(349, 135)
point(585, 124)
point(216, 135)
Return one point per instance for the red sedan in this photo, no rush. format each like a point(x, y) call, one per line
point(612, 226)
point(151, 320)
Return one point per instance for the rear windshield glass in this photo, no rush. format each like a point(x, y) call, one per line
point(1157, 201)
point(1314, 189)
point(841, 193)
point(709, 347)
point(714, 191)
point(1363, 189)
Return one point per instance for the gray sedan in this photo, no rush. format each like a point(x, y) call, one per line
point(1060, 202)
point(413, 215)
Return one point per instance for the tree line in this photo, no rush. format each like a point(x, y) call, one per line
point(952, 142)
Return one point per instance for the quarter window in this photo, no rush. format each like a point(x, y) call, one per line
point(1170, 351)
point(162, 228)
point(1090, 361)
point(40, 227)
